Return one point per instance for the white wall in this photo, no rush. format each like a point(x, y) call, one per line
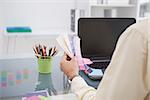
point(1, 41)
point(38, 14)
point(25, 44)
point(1, 33)
point(52, 16)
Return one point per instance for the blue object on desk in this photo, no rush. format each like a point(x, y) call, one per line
point(95, 74)
point(20, 29)
point(89, 81)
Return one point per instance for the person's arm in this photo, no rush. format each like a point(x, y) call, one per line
point(82, 90)
point(78, 85)
point(126, 76)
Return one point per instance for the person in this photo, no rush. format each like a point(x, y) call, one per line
point(127, 77)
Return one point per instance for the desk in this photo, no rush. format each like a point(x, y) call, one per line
point(70, 96)
point(64, 97)
point(15, 66)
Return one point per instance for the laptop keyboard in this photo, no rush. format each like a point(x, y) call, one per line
point(100, 65)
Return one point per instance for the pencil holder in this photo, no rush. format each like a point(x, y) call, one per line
point(45, 65)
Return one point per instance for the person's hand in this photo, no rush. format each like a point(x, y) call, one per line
point(69, 66)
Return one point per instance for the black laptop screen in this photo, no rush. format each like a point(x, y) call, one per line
point(99, 35)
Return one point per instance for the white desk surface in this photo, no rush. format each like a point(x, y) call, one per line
point(64, 97)
point(70, 96)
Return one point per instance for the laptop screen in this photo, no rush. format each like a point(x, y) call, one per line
point(99, 35)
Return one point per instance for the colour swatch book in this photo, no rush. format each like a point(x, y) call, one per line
point(71, 46)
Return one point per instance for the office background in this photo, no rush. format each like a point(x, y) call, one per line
point(49, 18)
point(43, 16)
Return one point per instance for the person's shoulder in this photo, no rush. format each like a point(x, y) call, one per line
point(142, 27)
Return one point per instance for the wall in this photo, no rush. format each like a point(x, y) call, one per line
point(1, 42)
point(25, 44)
point(1, 33)
point(44, 16)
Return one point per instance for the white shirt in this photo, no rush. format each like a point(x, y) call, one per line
point(128, 74)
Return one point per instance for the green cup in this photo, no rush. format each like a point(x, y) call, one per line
point(45, 65)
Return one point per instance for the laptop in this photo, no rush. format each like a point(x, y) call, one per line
point(99, 37)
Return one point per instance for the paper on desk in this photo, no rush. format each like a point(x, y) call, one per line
point(32, 98)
